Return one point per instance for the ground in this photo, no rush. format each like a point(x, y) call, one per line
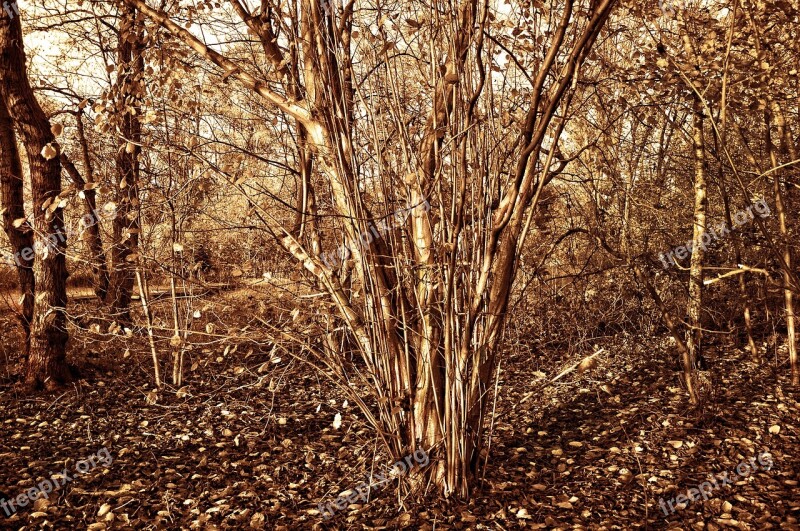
point(249, 441)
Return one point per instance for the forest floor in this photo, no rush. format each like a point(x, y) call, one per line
point(249, 442)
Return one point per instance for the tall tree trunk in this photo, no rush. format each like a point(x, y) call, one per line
point(47, 365)
point(20, 236)
point(126, 221)
point(695, 304)
point(775, 115)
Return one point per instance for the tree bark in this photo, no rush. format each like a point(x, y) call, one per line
point(126, 221)
point(21, 237)
point(695, 304)
point(47, 365)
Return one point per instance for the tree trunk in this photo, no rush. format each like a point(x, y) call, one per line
point(126, 221)
point(20, 237)
point(93, 237)
point(98, 257)
point(744, 299)
point(47, 365)
point(775, 114)
point(721, 140)
point(695, 304)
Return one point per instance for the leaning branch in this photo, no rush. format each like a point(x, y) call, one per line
point(292, 108)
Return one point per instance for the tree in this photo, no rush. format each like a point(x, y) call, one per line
point(429, 329)
point(14, 221)
point(128, 93)
point(46, 365)
point(699, 233)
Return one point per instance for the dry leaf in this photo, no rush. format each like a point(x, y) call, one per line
point(49, 152)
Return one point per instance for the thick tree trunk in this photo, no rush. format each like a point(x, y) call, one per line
point(47, 365)
point(21, 236)
point(126, 221)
